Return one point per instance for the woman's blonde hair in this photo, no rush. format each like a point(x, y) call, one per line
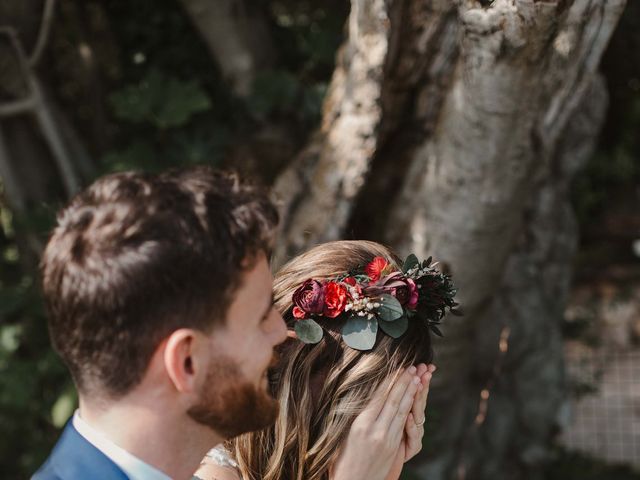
point(322, 387)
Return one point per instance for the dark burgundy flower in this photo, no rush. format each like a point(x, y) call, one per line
point(404, 289)
point(408, 295)
point(309, 297)
point(335, 299)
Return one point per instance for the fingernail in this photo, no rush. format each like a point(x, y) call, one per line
point(412, 369)
point(416, 380)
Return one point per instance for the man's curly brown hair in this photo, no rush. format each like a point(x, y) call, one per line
point(136, 256)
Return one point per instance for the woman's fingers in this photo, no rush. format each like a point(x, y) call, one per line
point(372, 411)
point(371, 446)
point(420, 402)
point(396, 429)
point(396, 396)
point(414, 438)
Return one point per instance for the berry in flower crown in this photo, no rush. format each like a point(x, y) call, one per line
point(375, 297)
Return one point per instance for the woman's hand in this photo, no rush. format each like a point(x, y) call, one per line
point(414, 428)
point(376, 434)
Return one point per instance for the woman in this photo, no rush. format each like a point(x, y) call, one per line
point(344, 379)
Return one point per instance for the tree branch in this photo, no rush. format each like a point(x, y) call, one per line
point(39, 107)
point(43, 33)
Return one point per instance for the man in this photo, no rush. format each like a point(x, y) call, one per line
point(159, 299)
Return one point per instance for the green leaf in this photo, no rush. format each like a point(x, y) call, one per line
point(160, 100)
point(409, 263)
point(390, 308)
point(308, 331)
point(360, 332)
point(395, 329)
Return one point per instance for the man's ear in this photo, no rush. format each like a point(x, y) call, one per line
point(186, 359)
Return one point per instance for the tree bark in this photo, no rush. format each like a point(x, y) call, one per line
point(318, 189)
point(390, 71)
point(523, 70)
point(472, 140)
point(527, 402)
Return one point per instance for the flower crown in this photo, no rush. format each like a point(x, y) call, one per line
point(378, 296)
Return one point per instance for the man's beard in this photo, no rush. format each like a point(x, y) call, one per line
point(231, 406)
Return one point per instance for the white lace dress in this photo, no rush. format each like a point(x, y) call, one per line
point(219, 456)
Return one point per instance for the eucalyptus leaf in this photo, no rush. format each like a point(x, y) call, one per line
point(396, 328)
point(409, 263)
point(360, 332)
point(390, 308)
point(308, 331)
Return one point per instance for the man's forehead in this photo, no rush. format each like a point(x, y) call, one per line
point(257, 282)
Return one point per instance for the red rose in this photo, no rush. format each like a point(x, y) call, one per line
point(299, 313)
point(309, 297)
point(375, 268)
point(335, 299)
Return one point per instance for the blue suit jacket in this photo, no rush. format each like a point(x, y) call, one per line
point(74, 458)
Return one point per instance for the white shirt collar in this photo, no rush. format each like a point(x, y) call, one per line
point(133, 467)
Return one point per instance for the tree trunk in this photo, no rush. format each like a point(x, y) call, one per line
point(463, 125)
point(237, 36)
